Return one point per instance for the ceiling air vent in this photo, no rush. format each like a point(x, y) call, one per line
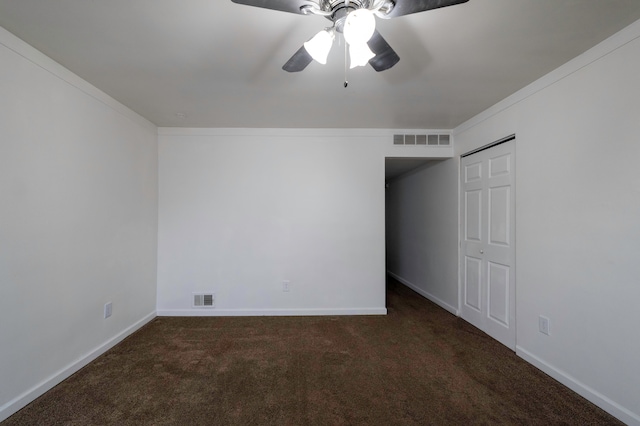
point(203, 300)
point(424, 140)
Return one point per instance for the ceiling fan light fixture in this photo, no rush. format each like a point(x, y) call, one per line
point(320, 45)
point(359, 26)
point(359, 54)
point(356, 20)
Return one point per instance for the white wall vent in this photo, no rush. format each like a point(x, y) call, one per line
point(203, 300)
point(428, 140)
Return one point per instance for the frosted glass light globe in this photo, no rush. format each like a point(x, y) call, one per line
point(320, 45)
point(359, 54)
point(359, 26)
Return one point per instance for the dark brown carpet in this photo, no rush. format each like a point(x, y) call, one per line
point(419, 365)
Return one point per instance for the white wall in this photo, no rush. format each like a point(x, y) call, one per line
point(422, 251)
point(78, 222)
point(243, 210)
point(578, 219)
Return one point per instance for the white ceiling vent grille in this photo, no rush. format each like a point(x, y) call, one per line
point(424, 140)
point(203, 300)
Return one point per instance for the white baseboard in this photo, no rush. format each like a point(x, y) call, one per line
point(213, 312)
point(611, 407)
point(425, 294)
point(21, 401)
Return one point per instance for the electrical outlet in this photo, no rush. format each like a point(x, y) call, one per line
point(108, 309)
point(286, 286)
point(543, 325)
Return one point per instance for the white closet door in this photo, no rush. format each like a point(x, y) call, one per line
point(488, 241)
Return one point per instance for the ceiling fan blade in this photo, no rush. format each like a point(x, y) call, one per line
point(385, 57)
point(406, 7)
point(298, 61)
point(293, 6)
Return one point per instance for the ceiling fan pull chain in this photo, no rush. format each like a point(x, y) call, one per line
point(346, 70)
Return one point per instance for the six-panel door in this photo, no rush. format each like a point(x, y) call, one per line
point(488, 237)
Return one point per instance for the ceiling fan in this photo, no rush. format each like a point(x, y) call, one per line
point(355, 20)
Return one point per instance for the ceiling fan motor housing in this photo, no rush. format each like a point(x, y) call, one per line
point(340, 9)
point(333, 5)
point(337, 10)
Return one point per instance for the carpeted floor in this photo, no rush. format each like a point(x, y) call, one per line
point(419, 365)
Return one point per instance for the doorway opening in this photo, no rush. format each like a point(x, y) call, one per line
point(421, 222)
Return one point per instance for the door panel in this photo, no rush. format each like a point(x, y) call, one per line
point(472, 281)
point(498, 281)
point(473, 216)
point(488, 235)
point(500, 165)
point(499, 213)
point(473, 172)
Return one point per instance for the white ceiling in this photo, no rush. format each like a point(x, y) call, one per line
point(219, 63)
